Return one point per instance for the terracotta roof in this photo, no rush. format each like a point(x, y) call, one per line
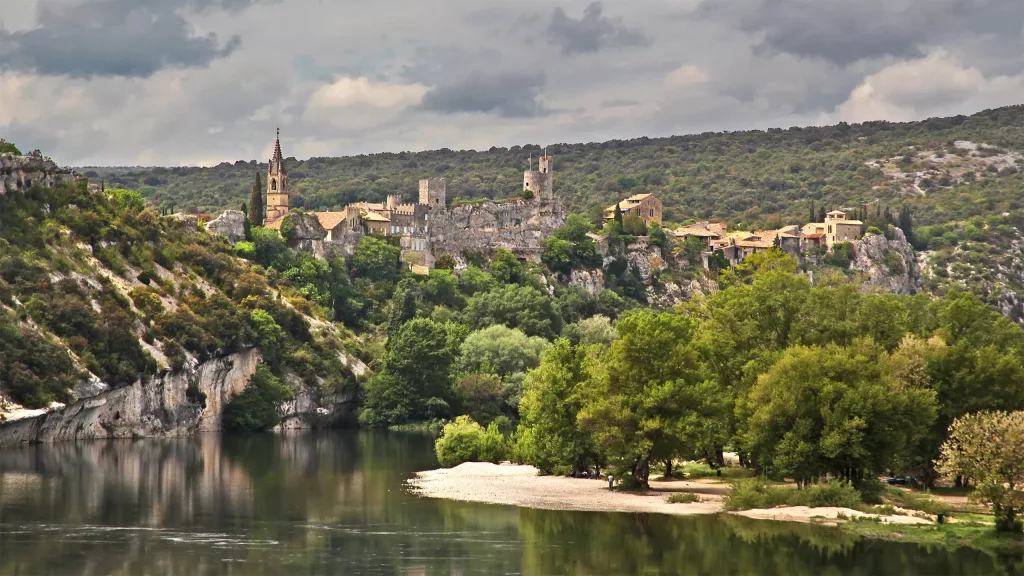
point(374, 217)
point(634, 199)
point(695, 231)
point(274, 224)
point(329, 220)
point(854, 222)
point(814, 236)
point(753, 244)
point(834, 212)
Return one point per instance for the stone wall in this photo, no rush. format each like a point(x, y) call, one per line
point(520, 226)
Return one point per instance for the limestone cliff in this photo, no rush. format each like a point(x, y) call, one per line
point(21, 172)
point(155, 406)
point(175, 404)
point(230, 224)
point(889, 265)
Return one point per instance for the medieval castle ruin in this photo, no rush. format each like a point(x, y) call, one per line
point(426, 230)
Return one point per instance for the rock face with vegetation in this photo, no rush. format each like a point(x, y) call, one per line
point(146, 325)
point(890, 264)
point(172, 404)
point(18, 172)
point(230, 224)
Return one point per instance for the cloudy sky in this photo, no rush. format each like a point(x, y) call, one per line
point(169, 82)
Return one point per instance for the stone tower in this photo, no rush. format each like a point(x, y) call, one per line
point(432, 192)
point(277, 183)
point(540, 182)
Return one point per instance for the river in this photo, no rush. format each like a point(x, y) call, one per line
point(334, 503)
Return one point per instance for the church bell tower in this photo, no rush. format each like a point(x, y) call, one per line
point(277, 183)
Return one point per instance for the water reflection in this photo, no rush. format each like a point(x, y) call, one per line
point(333, 503)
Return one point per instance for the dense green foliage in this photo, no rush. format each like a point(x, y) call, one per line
point(752, 494)
point(9, 148)
point(255, 408)
point(99, 283)
point(463, 440)
point(755, 178)
point(804, 382)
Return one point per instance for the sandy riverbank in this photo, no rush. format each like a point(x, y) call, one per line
point(521, 486)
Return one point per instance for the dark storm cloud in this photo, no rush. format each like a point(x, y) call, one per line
point(844, 32)
point(508, 94)
point(592, 32)
point(133, 38)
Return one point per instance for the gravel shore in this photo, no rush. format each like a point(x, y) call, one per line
point(522, 486)
point(517, 485)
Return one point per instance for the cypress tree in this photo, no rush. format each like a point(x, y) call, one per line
point(812, 212)
point(618, 214)
point(256, 203)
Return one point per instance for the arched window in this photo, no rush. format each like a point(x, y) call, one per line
point(273, 185)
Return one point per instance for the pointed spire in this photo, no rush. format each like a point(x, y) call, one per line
point(277, 160)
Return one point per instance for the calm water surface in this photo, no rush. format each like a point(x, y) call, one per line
point(334, 503)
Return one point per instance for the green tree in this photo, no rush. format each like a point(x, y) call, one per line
point(416, 371)
point(649, 396)
point(989, 448)
point(256, 208)
point(506, 268)
point(501, 351)
point(482, 396)
point(634, 225)
point(255, 408)
point(521, 307)
point(376, 259)
point(558, 255)
point(550, 435)
point(128, 200)
point(849, 411)
point(475, 281)
point(9, 148)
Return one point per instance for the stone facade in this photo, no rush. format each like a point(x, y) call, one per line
point(646, 206)
point(277, 184)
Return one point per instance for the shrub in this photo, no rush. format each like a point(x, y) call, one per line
point(873, 230)
point(459, 442)
point(492, 445)
point(756, 494)
point(683, 498)
point(255, 408)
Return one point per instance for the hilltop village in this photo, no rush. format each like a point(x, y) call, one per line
point(426, 230)
point(429, 228)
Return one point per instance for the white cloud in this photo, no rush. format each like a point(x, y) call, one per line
point(935, 85)
point(346, 91)
point(687, 75)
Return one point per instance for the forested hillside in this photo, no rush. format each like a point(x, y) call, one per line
point(755, 178)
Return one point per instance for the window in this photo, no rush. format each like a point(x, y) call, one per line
point(273, 185)
point(426, 216)
point(426, 228)
point(652, 212)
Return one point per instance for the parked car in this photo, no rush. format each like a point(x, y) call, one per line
point(902, 481)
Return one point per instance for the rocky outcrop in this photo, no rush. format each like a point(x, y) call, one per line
point(520, 226)
point(21, 172)
point(890, 265)
point(171, 404)
point(591, 281)
point(306, 233)
point(230, 224)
